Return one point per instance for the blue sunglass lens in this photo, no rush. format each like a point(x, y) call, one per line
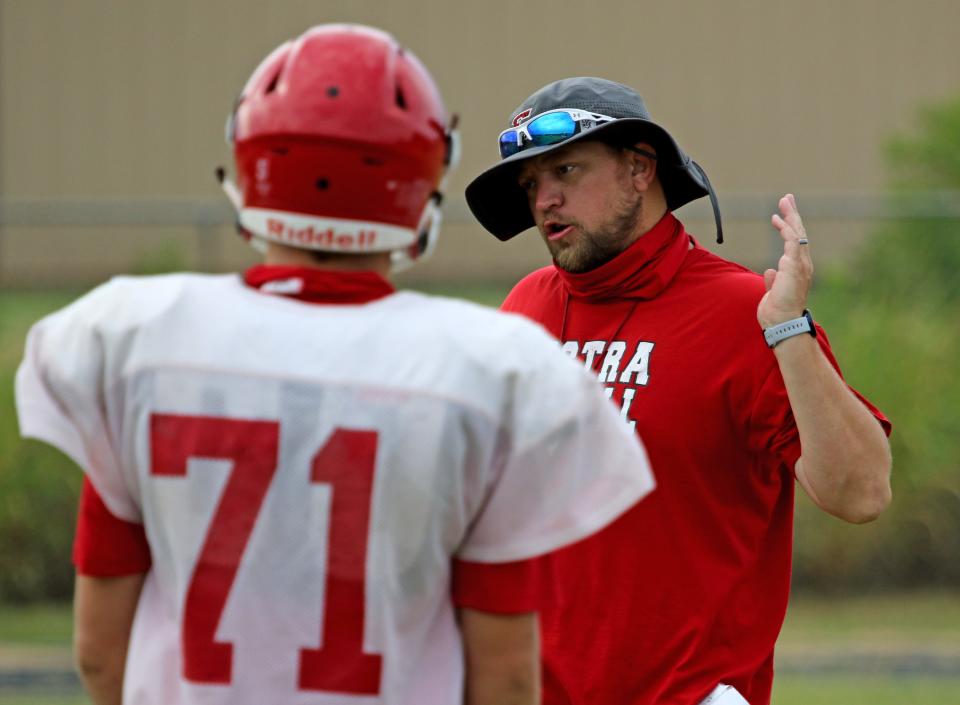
point(551, 129)
point(509, 144)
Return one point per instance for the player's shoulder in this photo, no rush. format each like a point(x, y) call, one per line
point(468, 320)
point(129, 301)
point(486, 335)
point(160, 285)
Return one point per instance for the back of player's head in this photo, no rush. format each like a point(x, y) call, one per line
point(341, 143)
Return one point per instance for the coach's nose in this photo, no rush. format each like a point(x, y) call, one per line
point(548, 194)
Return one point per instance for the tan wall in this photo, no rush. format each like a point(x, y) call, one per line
point(119, 99)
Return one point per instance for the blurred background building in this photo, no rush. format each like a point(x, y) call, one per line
point(112, 114)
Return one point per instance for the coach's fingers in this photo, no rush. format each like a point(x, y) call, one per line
point(790, 226)
point(791, 241)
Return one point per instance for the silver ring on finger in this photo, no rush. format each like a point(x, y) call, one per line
point(803, 241)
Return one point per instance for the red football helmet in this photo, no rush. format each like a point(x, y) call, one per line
point(341, 144)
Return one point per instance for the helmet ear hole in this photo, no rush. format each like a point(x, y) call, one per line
point(323, 184)
point(400, 98)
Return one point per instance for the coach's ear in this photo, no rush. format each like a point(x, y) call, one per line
point(643, 164)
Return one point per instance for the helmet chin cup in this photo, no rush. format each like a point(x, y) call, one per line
point(236, 200)
point(454, 145)
point(229, 188)
point(428, 229)
point(428, 233)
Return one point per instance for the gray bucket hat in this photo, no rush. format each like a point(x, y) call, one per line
point(499, 203)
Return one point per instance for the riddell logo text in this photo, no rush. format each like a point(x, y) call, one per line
point(358, 240)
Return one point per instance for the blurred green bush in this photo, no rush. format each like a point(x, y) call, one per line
point(894, 319)
point(38, 485)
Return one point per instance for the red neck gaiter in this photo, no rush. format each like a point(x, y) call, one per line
point(319, 286)
point(641, 271)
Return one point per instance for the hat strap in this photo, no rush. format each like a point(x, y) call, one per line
point(713, 201)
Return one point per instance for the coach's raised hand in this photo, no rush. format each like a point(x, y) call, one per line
point(845, 460)
point(788, 284)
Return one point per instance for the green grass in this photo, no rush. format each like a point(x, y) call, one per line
point(927, 619)
point(930, 617)
point(864, 690)
point(903, 623)
point(925, 615)
point(36, 624)
point(789, 691)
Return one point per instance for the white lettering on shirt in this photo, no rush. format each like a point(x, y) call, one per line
point(591, 349)
point(636, 373)
point(639, 365)
point(611, 361)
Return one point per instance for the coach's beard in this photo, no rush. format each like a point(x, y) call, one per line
point(593, 248)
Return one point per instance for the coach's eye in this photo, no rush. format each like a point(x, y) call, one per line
point(527, 184)
point(564, 169)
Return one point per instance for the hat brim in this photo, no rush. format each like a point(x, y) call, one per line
point(496, 199)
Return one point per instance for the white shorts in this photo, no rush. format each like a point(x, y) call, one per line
point(724, 695)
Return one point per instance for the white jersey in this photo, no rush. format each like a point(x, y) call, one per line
point(305, 474)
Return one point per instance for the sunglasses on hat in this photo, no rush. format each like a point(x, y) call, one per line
point(551, 127)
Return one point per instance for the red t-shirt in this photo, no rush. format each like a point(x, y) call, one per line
point(690, 587)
